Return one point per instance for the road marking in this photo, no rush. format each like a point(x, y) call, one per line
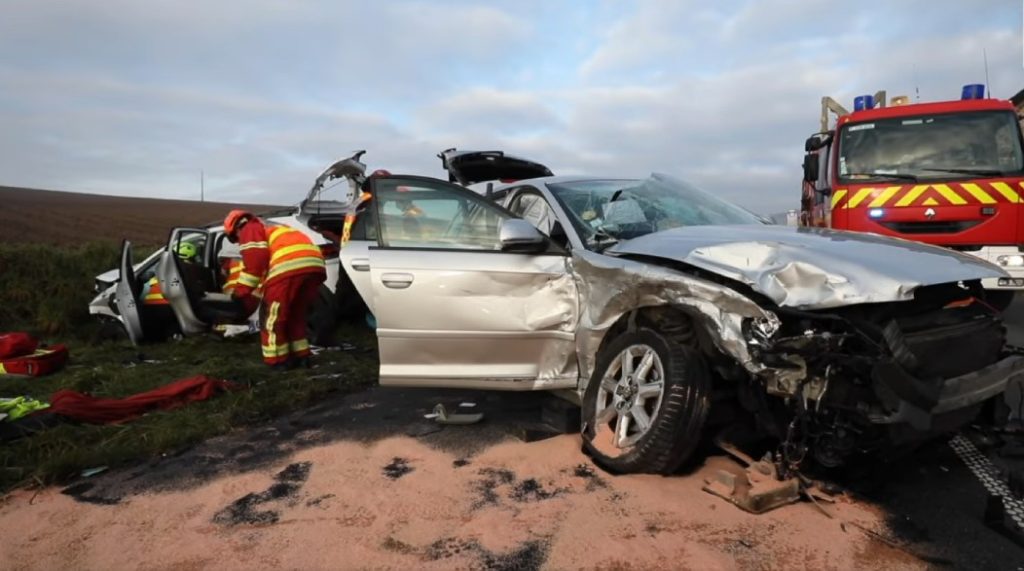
point(986, 472)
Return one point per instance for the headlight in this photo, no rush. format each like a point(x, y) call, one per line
point(1014, 261)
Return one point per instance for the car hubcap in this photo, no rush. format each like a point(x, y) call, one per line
point(629, 396)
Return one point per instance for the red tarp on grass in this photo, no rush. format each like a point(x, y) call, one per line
point(90, 409)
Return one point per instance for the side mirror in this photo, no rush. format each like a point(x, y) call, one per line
point(811, 169)
point(817, 141)
point(519, 236)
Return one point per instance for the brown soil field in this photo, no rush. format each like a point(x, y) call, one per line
point(53, 217)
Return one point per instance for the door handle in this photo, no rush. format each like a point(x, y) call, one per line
point(361, 264)
point(396, 280)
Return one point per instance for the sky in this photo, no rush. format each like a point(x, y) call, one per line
point(137, 98)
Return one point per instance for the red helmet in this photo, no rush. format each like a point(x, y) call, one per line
point(234, 220)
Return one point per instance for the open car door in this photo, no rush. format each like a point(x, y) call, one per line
point(333, 193)
point(184, 283)
point(457, 303)
point(127, 297)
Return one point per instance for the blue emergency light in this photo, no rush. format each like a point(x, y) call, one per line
point(973, 91)
point(862, 102)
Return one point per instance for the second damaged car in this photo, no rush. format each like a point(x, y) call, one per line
point(666, 310)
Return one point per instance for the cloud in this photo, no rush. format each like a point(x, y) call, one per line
point(136, 98)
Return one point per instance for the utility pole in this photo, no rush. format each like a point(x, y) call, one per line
point(202, 186)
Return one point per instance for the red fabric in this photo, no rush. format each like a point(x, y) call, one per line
point(90, 409)
point(283, 317)
point(17, 345)
point(41, 362)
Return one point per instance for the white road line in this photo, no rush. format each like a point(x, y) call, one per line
point(988, 475)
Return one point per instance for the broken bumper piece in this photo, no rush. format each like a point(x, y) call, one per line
point(917, 402)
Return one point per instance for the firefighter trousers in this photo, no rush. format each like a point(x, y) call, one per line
point(283, 317)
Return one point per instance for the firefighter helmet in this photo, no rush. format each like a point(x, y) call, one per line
point(187, 251)
point(233, 221)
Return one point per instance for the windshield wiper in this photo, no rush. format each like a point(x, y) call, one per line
point(983, 172)
point(899, 176)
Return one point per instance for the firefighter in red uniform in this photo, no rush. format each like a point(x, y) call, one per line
point(289, 268)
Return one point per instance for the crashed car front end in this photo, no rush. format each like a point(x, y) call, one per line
point(834, 355)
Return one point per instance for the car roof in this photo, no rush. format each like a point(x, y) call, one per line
point(561, 179)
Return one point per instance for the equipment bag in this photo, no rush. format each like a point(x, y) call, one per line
point(17, 345)
point(41, 362)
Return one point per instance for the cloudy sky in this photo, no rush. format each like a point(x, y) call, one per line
point(134, 98)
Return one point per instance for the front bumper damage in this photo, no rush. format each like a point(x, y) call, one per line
point(918, 402)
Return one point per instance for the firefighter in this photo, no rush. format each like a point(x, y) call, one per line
point(290, 269)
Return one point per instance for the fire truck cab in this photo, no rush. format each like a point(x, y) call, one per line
point(947, 173)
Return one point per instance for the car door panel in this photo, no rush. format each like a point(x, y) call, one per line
point(174, 285)
point(128, 290)
point(467, 319)
point(452, 309)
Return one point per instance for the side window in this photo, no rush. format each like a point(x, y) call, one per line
point(535, 210)
point(365, 226)
point(413, 213)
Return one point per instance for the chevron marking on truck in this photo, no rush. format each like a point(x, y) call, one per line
point(952, 194)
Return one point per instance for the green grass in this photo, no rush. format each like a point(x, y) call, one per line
point(46, 290)
point(58, 453)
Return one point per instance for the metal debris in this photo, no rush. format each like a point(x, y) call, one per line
point(756, 489)
point(444, 417)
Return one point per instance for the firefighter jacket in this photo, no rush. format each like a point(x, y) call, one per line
point(272, 253)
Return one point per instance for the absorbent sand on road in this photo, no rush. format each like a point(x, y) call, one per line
point(398, 503)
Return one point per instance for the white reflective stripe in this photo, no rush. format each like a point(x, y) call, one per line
point(252, 245)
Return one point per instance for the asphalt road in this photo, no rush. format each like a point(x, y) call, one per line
point(1015, 322)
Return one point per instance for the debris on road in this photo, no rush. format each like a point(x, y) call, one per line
point(397, 468)
point(442, 416)
point(757, 488)
point(90, 472)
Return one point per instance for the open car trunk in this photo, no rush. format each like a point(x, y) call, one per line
point(333, 195)
point(472, 167)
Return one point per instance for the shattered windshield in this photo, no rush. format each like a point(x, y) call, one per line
point(607, 211)
point(931, 146)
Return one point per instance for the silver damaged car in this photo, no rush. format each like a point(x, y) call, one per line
point(670, 314)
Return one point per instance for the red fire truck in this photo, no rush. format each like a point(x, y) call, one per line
point(949, 173)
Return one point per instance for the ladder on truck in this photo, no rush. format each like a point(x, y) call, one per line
point(830, 105)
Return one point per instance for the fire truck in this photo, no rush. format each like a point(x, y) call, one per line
point(948, 173)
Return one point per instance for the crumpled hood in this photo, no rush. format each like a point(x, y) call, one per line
point(812, 268)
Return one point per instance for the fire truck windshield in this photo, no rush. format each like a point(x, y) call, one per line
point(953, 145)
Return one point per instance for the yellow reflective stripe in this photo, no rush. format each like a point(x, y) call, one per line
point(271, 336)
point(252, 245)
point(1007, 192)
point(248, 279)
point(978, 194)
point(300, 345)
point(277, 232)
point(278, 351)
point(291, 265)
point(911, 196)
point(859, 197)
point(3, 371)
point(881, 199)
point(949, 194)
point(930, 202)
point(837, 196)
point(293, 249)
point(153, 297)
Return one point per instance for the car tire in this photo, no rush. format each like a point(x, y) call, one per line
point(1000, 299)
point(675, 416)
point(322, 319)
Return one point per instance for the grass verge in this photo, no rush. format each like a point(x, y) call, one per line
point(115, 370)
